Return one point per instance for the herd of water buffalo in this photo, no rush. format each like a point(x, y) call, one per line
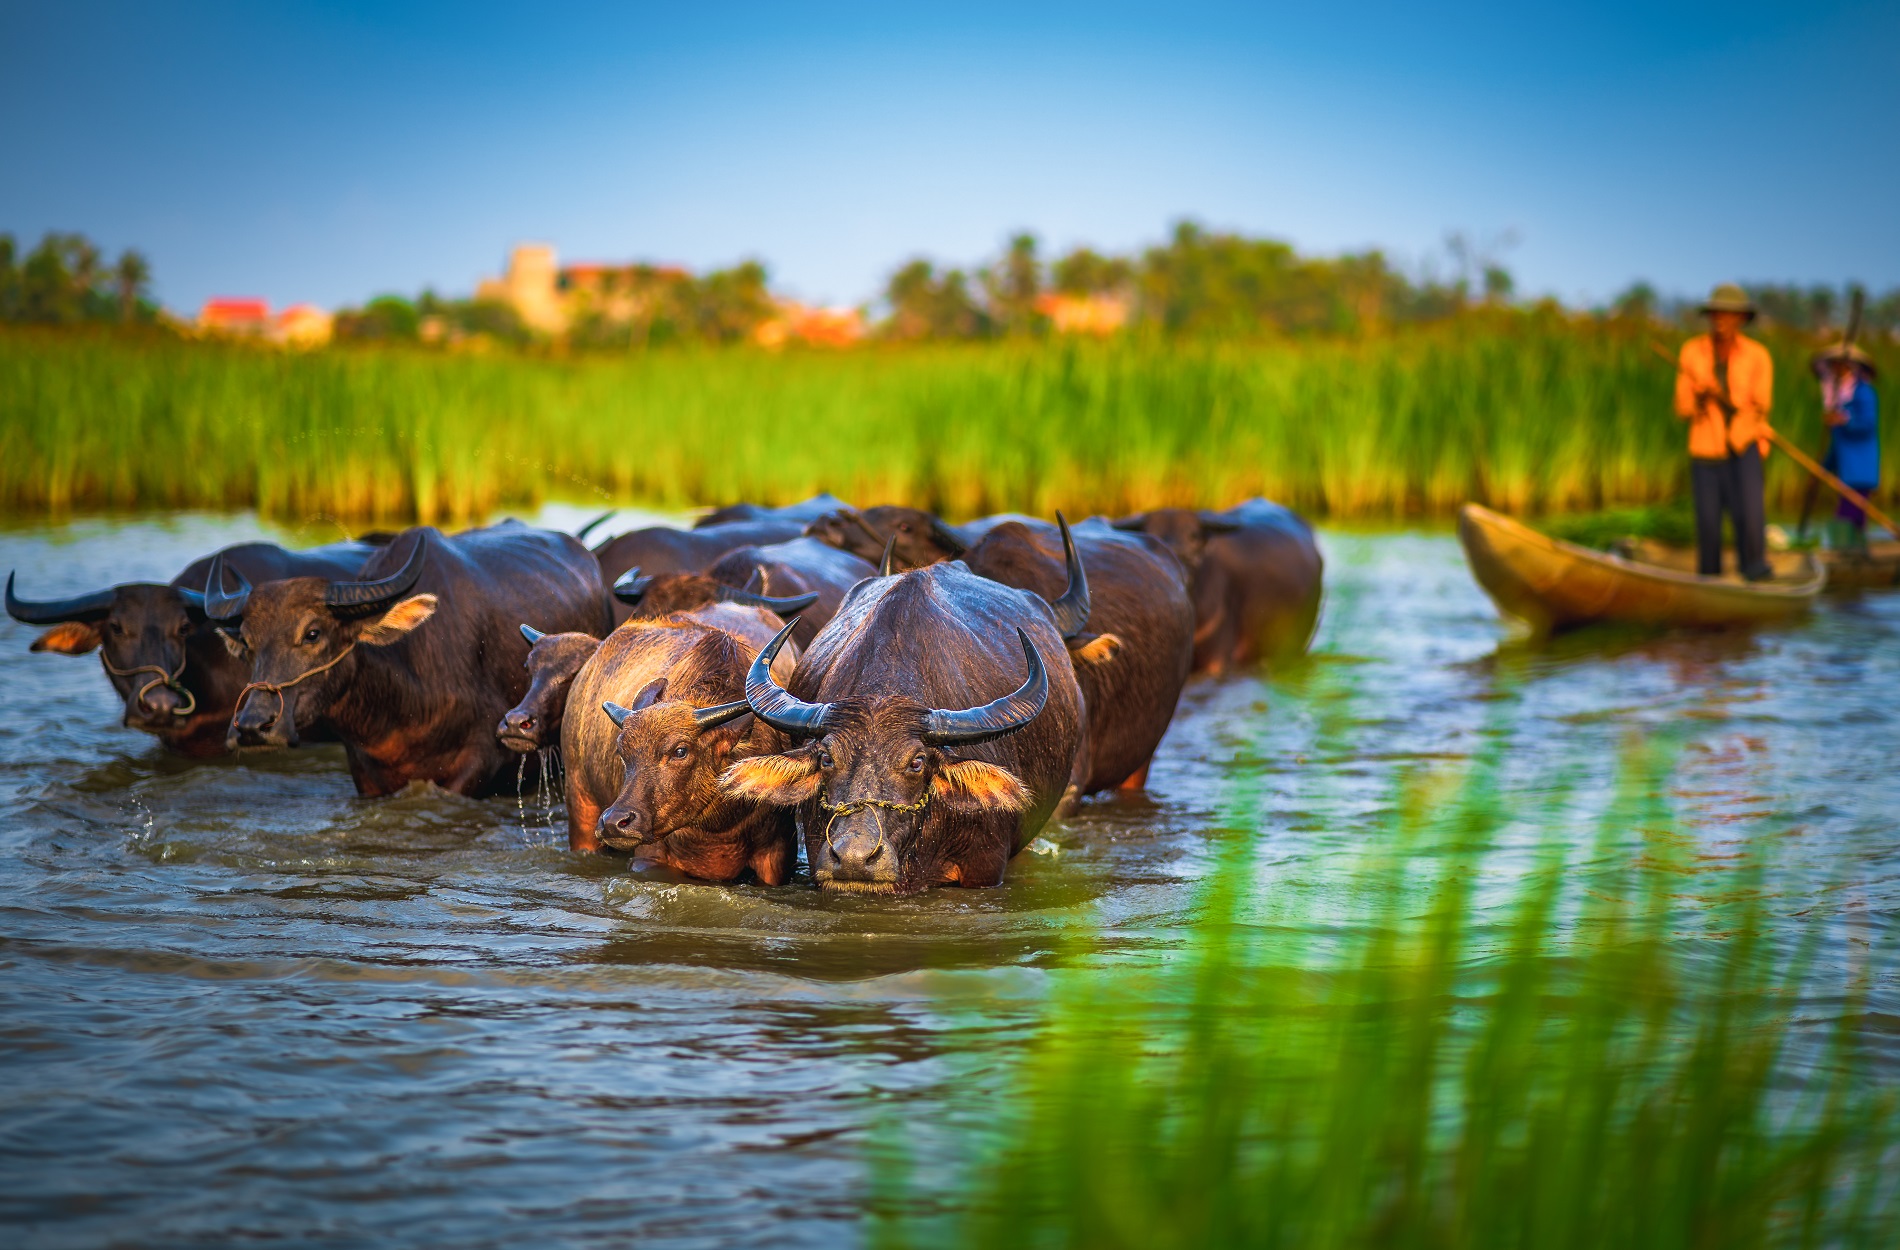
point(912, 699)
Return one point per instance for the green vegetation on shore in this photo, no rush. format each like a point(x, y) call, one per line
point(1480, 1032)
point(1528, 411)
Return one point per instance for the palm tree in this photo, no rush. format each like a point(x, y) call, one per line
point(131, 274)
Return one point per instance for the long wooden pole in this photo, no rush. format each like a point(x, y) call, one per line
point(1807, 462)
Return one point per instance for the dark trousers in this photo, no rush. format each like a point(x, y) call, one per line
point(1731, 486)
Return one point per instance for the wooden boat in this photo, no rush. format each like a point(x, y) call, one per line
point(1552, 585)
point(1878, 569)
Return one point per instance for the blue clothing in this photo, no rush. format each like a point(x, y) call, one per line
point(1853, 453)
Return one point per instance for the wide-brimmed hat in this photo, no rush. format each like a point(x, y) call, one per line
point(1843, 351)
point(1729, 298)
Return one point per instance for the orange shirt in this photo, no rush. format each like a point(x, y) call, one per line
point(1751, 386)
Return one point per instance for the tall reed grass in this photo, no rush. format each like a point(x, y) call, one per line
point(1616, 1050)
point(1525, 413)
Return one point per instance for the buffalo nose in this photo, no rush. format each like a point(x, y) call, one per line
point(624, 822)
point(157, 701)
point(857, 854)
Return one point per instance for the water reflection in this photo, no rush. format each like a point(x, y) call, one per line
point(240, 1002)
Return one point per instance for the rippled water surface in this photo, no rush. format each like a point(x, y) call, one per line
point(238, 1002)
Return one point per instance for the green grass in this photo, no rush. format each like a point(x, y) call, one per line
point(1529, 413)
point(1402, 1051)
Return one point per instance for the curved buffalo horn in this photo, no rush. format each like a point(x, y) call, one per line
point(629, 587)
point(1132, 524)
point(947, 538)
point(650, 694)
point(532, 634)
point(1003, 716)
point(363, 598)
point(1072, 609)
point(769, 701)
point(783, 607)
point(588, 528)
point(220, 606)
point(86, 608)
point(615, 713)
point(714, 717)
point(194, 599)
point(888, 565)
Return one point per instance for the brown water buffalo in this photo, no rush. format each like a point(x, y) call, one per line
point(1133, 653)
point(904, 784)
point(161, 654)
point(662, 549)
point(552, 663)
point(1255, 577)
point(803, 512)
point(412, 664)
point(920, 537)
point(657, 713)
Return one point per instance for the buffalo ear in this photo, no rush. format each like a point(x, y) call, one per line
point(1095, 648)
point(69, 638)
point(398, 621)
point(775, 780)
point(974, 784)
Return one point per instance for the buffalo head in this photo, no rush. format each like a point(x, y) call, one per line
point(913, 537)
point(142, 632)
point(1183, 530)
point(552, 663)
point(673, 753)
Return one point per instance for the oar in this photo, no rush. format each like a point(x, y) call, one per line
point(1807, 462)
point(1814, 483)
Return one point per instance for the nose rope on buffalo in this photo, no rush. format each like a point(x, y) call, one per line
point(278, 687)
point(853, 808)
point(165, 678)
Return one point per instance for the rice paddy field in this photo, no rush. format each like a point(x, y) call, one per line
point(1527, 412)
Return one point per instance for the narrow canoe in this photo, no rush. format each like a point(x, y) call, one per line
point(1552, 585)
point(1877, 569)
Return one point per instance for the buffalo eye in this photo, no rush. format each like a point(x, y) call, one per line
point(824, 759)
point(916, 764)
point(679, 751)
point(312, 634)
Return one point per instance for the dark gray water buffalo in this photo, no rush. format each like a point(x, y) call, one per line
point(803, 512)
point(1255, 577)
point(162, 655)
point(655, 715)
point(411, 663)
point(1132, 649)
point(942, 720)
point(661, 549)
point(800, 566)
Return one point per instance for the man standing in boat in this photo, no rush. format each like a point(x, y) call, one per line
point(1724, 385)
point(1853, 450)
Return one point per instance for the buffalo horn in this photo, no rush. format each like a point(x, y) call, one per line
point(1072, 609)
point(650, 694)
point(194, 599)
point(86, 608)
point(714, 717)
point(769, 701)
point(947, 538)
point(220, 606)
point(363, 598)
point(588, 528)
point(783, 607)
point(615, 713)
point(629, 587)
point(532, 634)
point(1003, 716)
point(888, 565)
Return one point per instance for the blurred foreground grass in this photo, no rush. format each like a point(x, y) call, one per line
point(1613, 1049)
point(1523, 412)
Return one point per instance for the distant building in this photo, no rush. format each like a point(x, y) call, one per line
point(820, 327)
point(244, 318)
point(1084, 314)
point(302, 325)
point(531, 287)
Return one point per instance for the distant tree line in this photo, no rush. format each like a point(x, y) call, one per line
point(67, 281)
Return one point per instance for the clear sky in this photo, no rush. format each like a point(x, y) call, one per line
point(332, 152)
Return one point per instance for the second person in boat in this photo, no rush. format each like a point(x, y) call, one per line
point(1724, 386)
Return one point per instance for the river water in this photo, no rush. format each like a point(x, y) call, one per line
point(237, 1002)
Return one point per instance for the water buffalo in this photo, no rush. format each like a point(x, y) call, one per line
point(915, 537)
point(663, 549)
point(658, 713)
point(896, 791)
point(1254, 573)
point(161, 654)
point(799, 566)
point(411, 665)
point(1133, 653)
point(803, 512)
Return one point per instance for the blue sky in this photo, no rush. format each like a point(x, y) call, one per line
point(332, 152)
